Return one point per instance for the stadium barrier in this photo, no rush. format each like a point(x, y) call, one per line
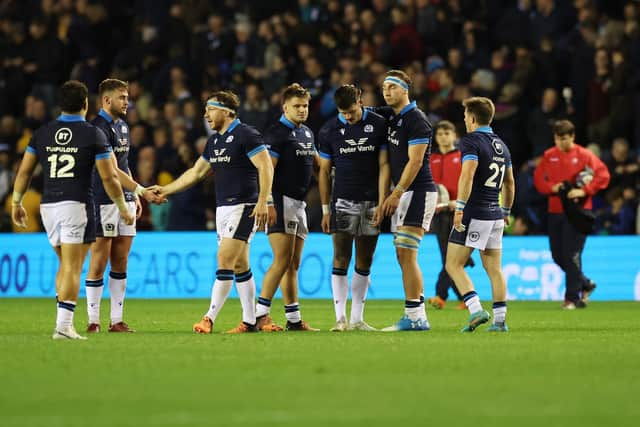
point(182, 265)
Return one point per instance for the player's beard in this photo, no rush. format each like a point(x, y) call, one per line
point(117, 113)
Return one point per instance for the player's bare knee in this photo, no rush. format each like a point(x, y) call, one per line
point(226, 261)
point(341, 261)
point(452, 266)
point(294, 264)
point(363, 262)
point(119, 263)
point(241, 266)
point(406, 256)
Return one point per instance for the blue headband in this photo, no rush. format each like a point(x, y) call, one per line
point(220, 105)
point(397, 81)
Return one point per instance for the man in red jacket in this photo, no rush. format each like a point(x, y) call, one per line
point(445, 167)
point(561, 163)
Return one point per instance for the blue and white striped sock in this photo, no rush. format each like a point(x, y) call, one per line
point(263, 308)
point(412, 309)
point(292, 312)
point(117, 289)
point(247, 292)
point(499, 312)
point(359, 287)
point(64, 318)
point(219, 293)
point(472, 301)
point(94, 290)
point(340, 291)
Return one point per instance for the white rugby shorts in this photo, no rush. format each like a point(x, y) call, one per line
point(110, 223)
point(68, 222)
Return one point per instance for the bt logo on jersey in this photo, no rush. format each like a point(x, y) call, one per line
point(63, 136)
point(497, 146)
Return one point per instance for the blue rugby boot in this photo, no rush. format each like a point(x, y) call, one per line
point(498, 327)
point(406, 324)
point(475, 320)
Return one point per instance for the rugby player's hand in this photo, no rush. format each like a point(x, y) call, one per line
point(154, 194)
point(457, 222)
point(378, 216)
point(507, 220)
point(273, 215)
point(261, 214)
point(390, 204)
point(19, 216)
point(138, 208)
point(127, 217)
point(326, 223)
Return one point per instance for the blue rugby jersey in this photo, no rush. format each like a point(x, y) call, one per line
point(493, 158)
point(295, 149)
point(409, 127)
point(67, 149)
point(117, 133)
point(354, 150)
point(229, 154)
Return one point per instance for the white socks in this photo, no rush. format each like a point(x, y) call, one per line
point(499, 312)
point(64, 317)
point(219, 292)
point(359, 287)
point(340, 289)
point(472, 301)
point(117, 288)
point(94, 290)
point(292, 312)
point(414, 309)
point(247, 292)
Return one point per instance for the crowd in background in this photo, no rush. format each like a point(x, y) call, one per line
point(539, 60)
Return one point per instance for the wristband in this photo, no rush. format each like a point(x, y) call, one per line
point(139, 191)
point(270, 200)
point(460, 204)
point(400, 188)
point(326, 209)
point(16, 198)
point(506, 211)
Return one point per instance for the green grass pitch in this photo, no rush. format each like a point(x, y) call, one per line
point(555, 368)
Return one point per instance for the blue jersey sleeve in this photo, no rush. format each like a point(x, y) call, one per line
point(324, 143)
point(419, 133)
point(32, 147)
point(206, 153)
point(253, 143)
point(273, 143)
point(103, 148)
point(468, 149)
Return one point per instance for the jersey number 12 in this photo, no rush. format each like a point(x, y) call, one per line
point(66, 162)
